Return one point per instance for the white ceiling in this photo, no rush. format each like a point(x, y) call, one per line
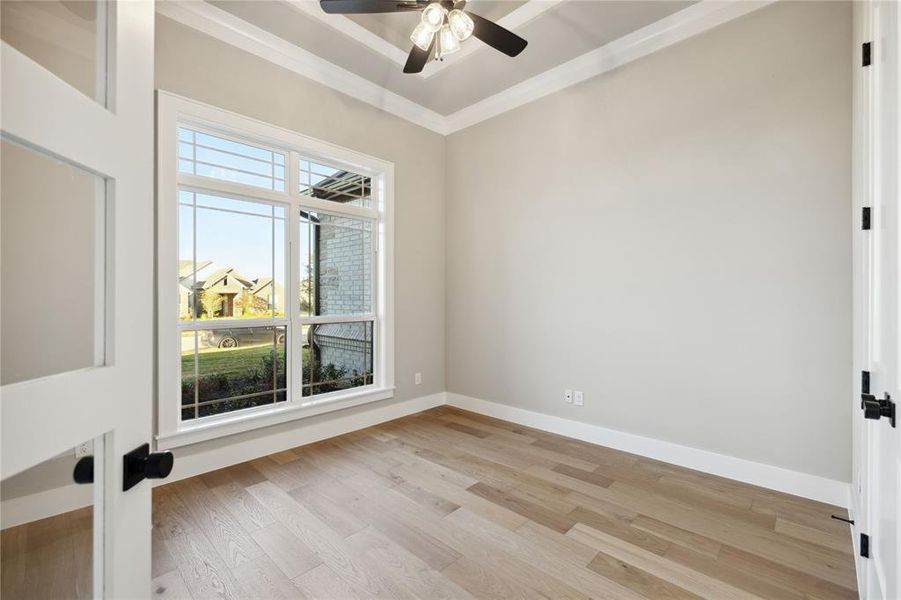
point(374, 46)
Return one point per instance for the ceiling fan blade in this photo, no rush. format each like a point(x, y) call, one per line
point(418, 58)
point(496, 36)
point(349, 7)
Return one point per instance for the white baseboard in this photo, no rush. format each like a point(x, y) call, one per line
point(16, 511)
point(40, 505)
point(763, 475)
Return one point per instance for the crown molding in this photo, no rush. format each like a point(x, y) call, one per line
point(226, 27)
point(669, 30)
point(679, 26)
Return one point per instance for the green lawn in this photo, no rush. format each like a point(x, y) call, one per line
point(230, 361)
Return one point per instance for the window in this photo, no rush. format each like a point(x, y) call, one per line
point(243, 246)
point(274, 274)
point(213, 156)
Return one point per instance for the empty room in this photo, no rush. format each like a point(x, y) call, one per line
point(491, 299)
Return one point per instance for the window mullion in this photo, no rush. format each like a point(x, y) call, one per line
point(219, 323)
point(295, 383)
point(337, 209)
point(321, 319)
point(228, 188)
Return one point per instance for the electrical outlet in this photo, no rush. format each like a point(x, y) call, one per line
point(84, 449)
point(417, 379)
point(568, 396)
point(579, 399)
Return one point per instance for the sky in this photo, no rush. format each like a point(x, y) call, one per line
point(244, 241)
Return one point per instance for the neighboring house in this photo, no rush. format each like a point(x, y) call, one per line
point(271, 293)
point(228, 285)
point(186, 274)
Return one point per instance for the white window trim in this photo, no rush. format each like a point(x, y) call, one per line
point(173, 110)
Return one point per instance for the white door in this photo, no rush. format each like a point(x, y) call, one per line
point(77, 159)
point(877, 441)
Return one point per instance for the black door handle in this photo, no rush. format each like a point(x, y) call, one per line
point(84, 470)
point(141, 464)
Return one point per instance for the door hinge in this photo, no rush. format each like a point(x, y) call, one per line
point(864, 545)
point(864, 382)
point(866, 54)
point(875, 409)
point(865, 220)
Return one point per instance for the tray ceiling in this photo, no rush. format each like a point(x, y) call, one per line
point(371, 45)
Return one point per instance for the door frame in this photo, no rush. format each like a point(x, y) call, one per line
point(868, 161)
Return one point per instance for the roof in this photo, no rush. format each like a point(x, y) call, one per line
point(218, 275)
point(260, 283)
point(186, 267)
point(342, 186)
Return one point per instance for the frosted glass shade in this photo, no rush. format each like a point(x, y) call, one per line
point(460, 24)
point(422, 36)
point(433, 16)
point(447, 41)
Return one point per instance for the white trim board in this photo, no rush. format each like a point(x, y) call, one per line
point(767, 476)
point(679, 26)
point(24, 509)
point(226, 27)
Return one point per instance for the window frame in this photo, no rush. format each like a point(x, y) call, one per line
point(174, 111)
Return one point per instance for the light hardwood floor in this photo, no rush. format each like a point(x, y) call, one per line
point(449, 504)
point(50, 558)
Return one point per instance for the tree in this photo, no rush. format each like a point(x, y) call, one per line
point(306, 293)
point(210, 302)
point(250, 304)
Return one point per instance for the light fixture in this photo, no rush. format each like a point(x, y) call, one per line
point(460, 23)
point(447, 41)
point(422, 36)
point(443, 26)
point(433, 16)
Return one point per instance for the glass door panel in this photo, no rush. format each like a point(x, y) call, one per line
point(66, 37)
point(51, 556)
point(52, 265)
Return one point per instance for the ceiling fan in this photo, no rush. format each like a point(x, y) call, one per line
point(442, 26)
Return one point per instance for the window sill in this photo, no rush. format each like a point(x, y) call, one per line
point(248, 421)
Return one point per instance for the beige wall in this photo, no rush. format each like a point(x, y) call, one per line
point(197, 66)
point(673, 239)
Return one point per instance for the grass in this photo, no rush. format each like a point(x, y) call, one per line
point(231, 361)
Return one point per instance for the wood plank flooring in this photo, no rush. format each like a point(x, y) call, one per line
point(49, 558)
point(449, 504)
